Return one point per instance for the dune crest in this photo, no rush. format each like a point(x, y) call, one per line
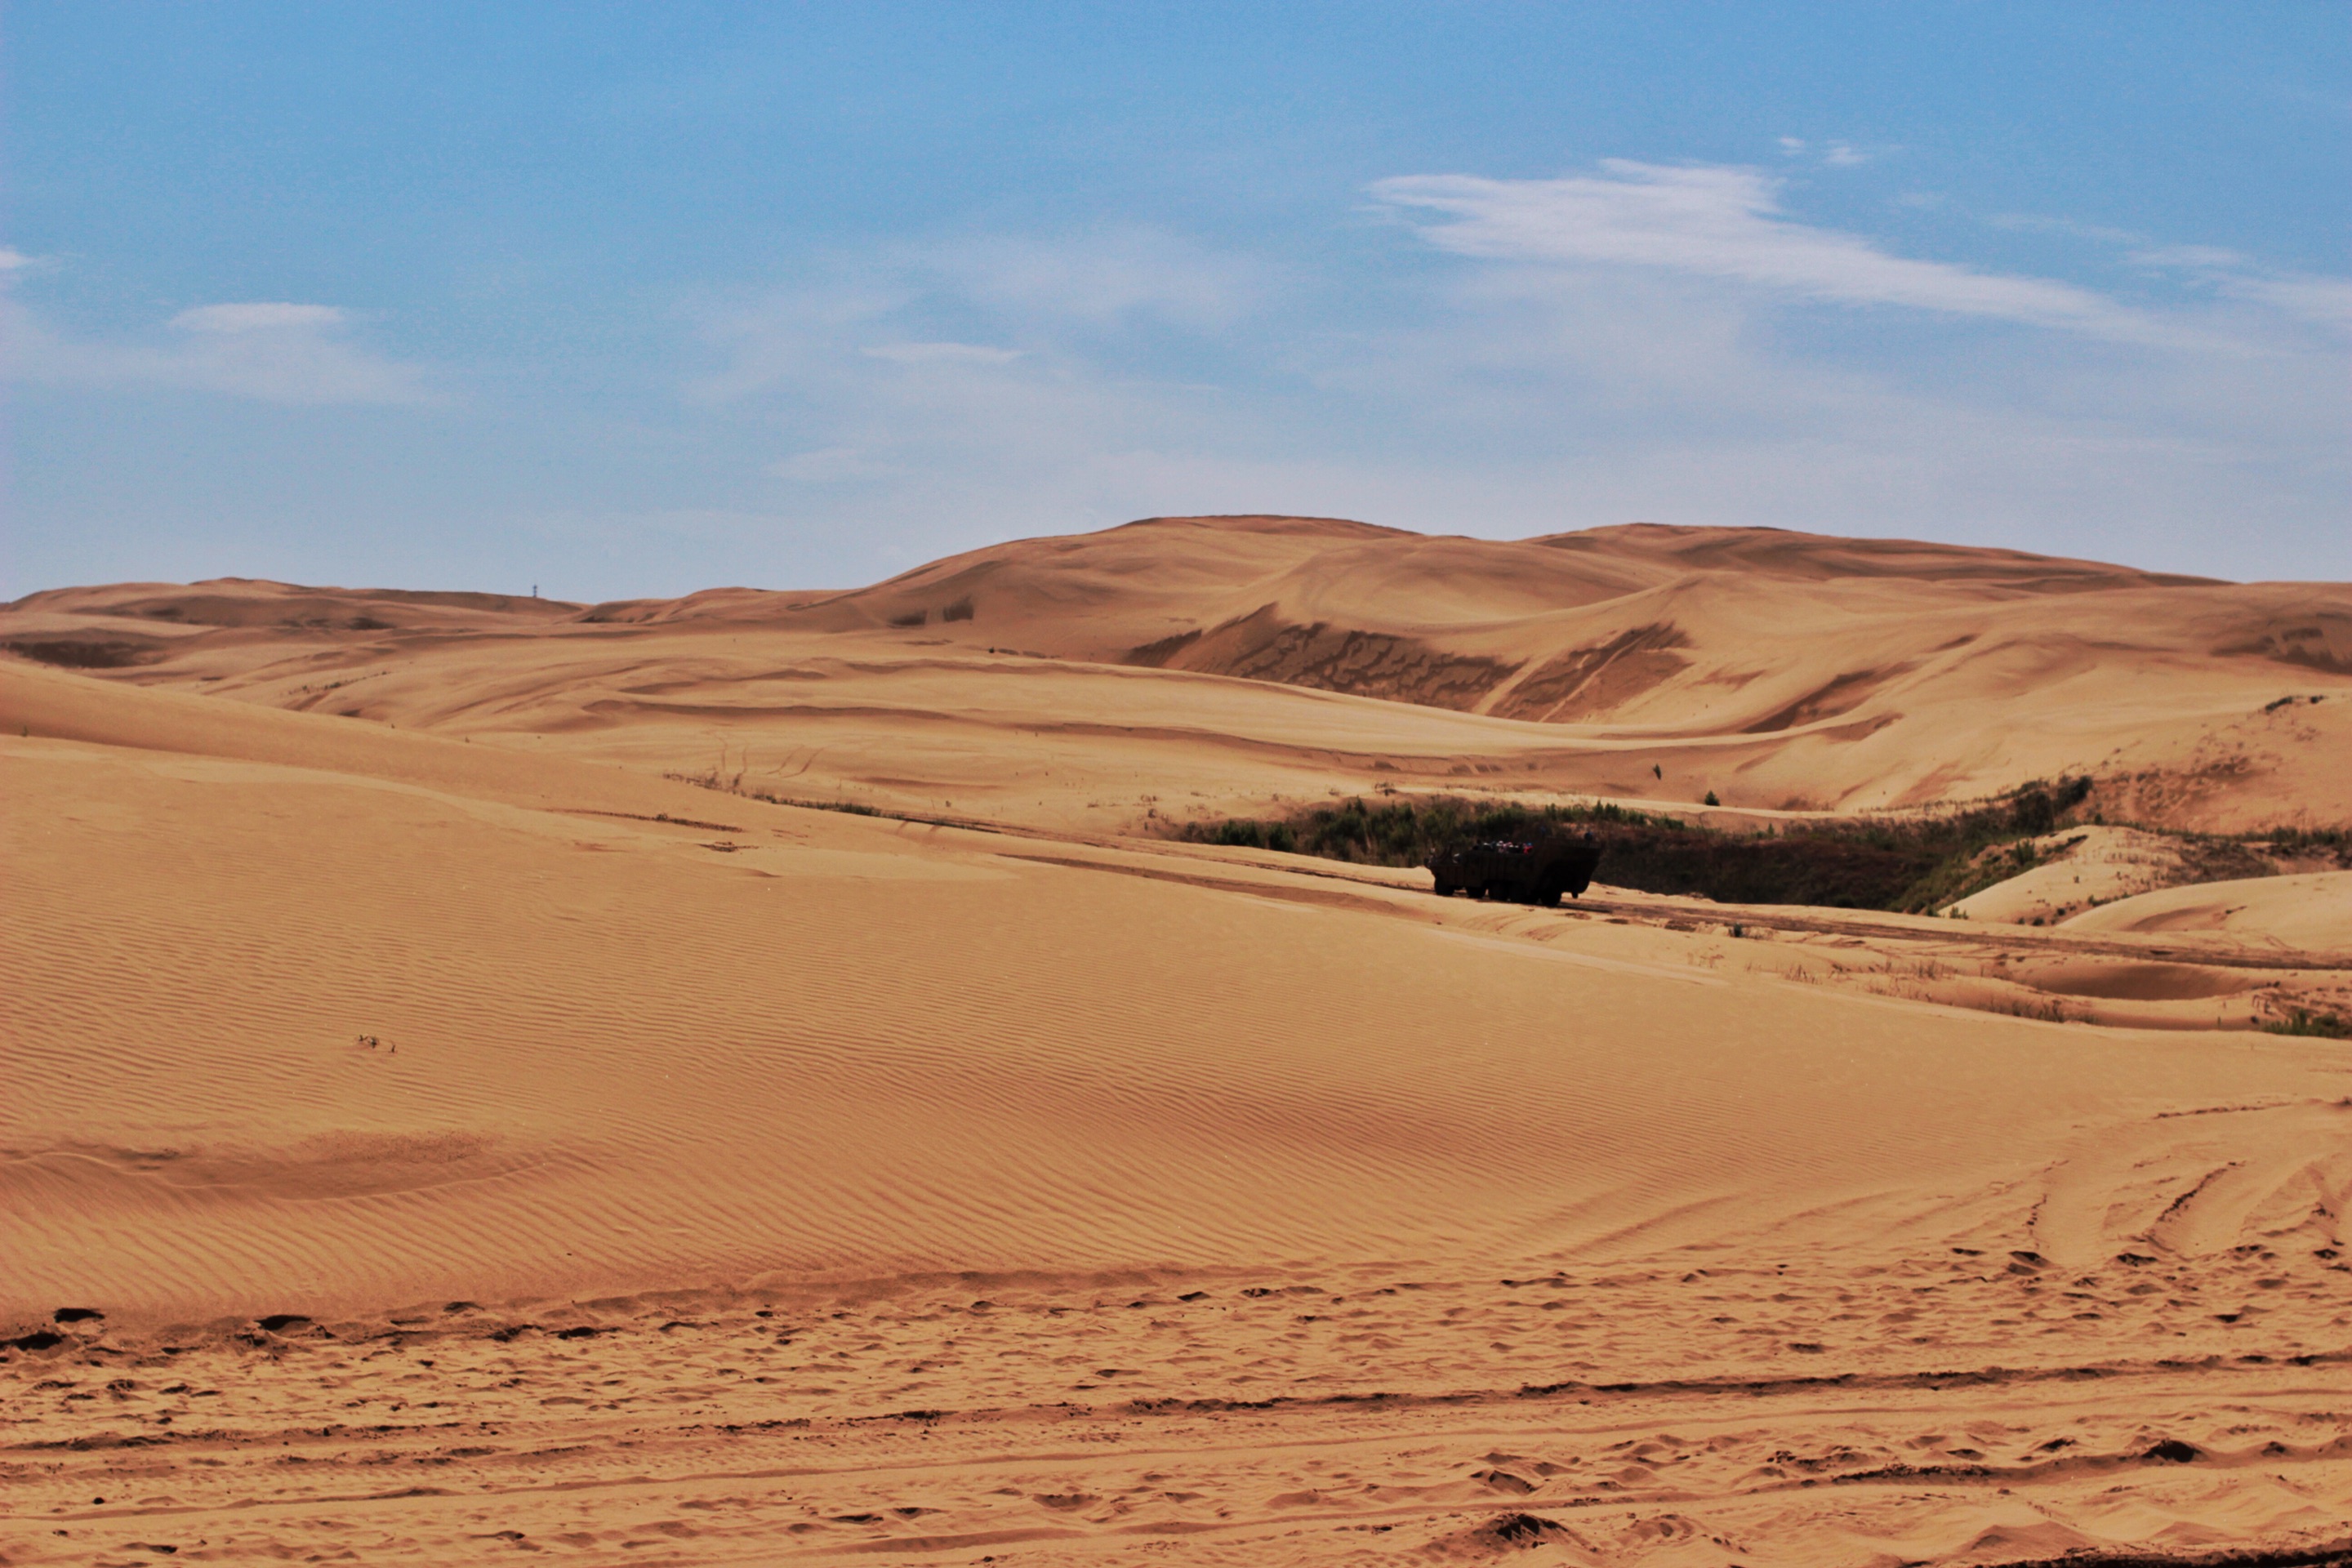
point(1776, 670)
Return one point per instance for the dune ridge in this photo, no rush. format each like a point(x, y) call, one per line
point(1776, 670)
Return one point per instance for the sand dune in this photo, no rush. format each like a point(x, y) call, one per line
point(433, 1134)
point(2083, 867)
point(1776, 670)
point(2313, 911)
point(881, 1043)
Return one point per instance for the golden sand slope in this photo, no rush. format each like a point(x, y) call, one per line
point(550, 1156)
point(619, 1051)
point(2082, 866)
point(1092, 681)
point(2313, 911)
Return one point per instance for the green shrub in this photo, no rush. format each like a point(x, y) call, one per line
point(2309, 843)
point(1911, 864)
point(2302, 1021)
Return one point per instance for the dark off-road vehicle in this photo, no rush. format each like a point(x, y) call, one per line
point(1527, 872)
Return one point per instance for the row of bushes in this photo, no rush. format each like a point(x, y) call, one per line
point(2310, 843)
point(1404, 833)
point(1914, 864)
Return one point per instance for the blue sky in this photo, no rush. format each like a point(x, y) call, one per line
point(634, 300)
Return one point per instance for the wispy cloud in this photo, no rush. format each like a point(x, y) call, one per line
point(1836, 154)
point(2302, 298)
point(1612, 352)
point(2320, 301)
point(828, 466)
point(942, 353)
point(264, 317)
point(1101, 277)
point(1727, 223)
point(2032, 222)
point(983, 299)
point(2200, 257)
point(275, 351)
point(2327, 302)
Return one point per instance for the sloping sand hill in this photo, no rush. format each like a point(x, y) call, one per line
point(436, 1146)
point(2082, 867)
point(1182, 665)
point(2312, 910)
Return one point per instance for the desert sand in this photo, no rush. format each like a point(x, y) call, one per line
point(2080, 870)
point(2290, 911)
point(454, 1118)
point(1182, 665)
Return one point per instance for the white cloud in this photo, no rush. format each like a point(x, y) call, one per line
point(2324, 301)
point(276, 352)
point(828, 466)
point(1727, 223)
point(1609, 355)
point(2036, 223)
point(908, 435)
point(2198, 256)
point(942, 353)
point(2303, 299)
point(258, 318)
point(1836, 154)
point(2321, 300)
point(13, 261)
point(978, 305)
point(792, 336)
point(1101, 277)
